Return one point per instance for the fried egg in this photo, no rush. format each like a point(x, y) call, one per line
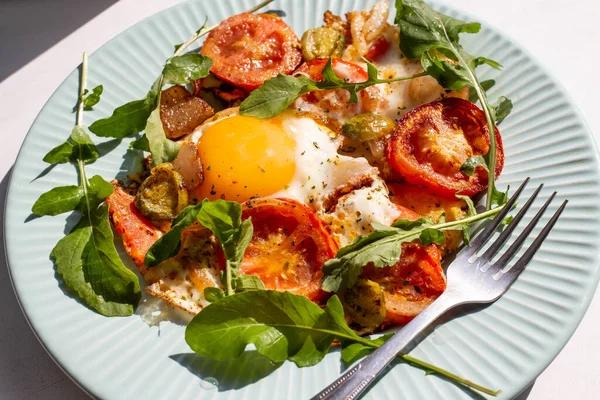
point(294, 157)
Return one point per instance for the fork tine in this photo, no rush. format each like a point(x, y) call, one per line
point(493, 249)
point(520, 265)
point(512, 250)
point(491, 227)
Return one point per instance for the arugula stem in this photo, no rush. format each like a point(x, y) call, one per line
point(447, 225)
point(80, 105)
point(349, 85)
point(82, 85)
point(491, 155)
point(447, 374)
point(470, 219)
point(228, 278)
point(409, 359)
point(80, 162)
point(204, 30)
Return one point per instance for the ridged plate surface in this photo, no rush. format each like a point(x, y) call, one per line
point(502, 346)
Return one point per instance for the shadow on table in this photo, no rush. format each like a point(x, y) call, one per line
point(26, 370)
point(28, 28)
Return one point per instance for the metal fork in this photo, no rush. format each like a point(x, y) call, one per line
point(472, 278)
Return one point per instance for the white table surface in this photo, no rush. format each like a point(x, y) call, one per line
point(563, 36)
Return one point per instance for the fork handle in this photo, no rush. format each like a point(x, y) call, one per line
point(358, 378)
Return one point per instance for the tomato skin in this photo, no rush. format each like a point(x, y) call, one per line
point(289, 246)
point(248, 49)
point(137, 231)
point(451, 119)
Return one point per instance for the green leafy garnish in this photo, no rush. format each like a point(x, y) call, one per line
point(183, 69)
point(162, 148)
point(168, 245)
point(502, 109)
point(91, 99)
point(58, 200)
point(224, 219)
point(86, 259)
point(486, 85)
point(212, 294)
point(79, 146)
point(468, 167)
point(129, 118)
point(356, 351)
point(433, 38)
point(283, 326)
point(245, 283)
point(276, 94)
point(383, 247)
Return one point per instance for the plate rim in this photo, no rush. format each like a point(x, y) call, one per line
point(562, 338)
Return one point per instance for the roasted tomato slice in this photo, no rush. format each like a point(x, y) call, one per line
point(432, 141)
point(137, 231)
point(289, 246)
point(248, 49)
point(336, 100)
point(410, 285)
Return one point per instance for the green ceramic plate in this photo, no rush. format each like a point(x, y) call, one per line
point(502, 346)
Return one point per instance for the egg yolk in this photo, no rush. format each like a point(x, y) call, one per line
point(244, 157)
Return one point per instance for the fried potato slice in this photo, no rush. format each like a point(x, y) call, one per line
point(181, 112)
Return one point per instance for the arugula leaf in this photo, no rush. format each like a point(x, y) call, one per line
point(162, 148)
point(224, 219)
point(96, 190)
point(212, 294)
point(356, 351)
point(183, 69)
point(93, 98)
point(281, 325)
point(383, 247)
point(431, 235)
point(61, 154)
point(499, 198)
point(168, 245)
point(468, 167)
point(130, 118)
point(90, 267)
point(245, 283)
point(140, 144)
point(78, 146)
point(380, 248)
point(486, 85)
point(58, 200)
point(83, 147)
point(410, 224)
point(126, 120)
point(472, 211)
point(433, 37)
point(276, 94)
point(502, 109)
